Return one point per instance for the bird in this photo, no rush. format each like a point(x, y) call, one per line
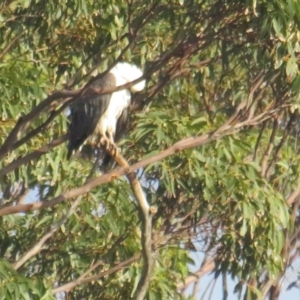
point(101, 120)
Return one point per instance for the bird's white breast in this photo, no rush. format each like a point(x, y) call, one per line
point(108, 121)
point(119, 100)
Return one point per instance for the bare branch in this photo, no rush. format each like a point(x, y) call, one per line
point(38, 246)
point(269, 149)
point(68, 286)
point(146, 215)
point(187, 143)
point(280, 146)
point(24, 122)
point(293, 196)
point(207, 267)
point(33, 155)
point(8, 47)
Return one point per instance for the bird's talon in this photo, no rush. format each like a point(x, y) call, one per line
point(103, 141)
point(113, 149)
point(101, 111)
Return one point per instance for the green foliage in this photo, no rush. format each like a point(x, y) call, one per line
point(17, 286)
point(224, 70)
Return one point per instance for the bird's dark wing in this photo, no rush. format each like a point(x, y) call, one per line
point(86, 112)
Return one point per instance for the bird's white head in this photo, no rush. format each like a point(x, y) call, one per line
point(125, 72)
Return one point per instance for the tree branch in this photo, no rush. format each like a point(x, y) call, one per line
point(33, 155)
point(146, 215)
point(24, 121)
point(38, 246)
point(207, 267)
point(118, 267)
point(187, 143)
point(269, 149)
point(8, 47)
point(280, 146)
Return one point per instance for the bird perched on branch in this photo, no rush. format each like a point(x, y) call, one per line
point(100, 120)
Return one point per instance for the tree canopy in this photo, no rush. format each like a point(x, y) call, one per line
point(209, 163)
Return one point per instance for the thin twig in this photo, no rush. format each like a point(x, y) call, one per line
point(39, 245)
point(269, 149)
point(7, 48)
point(70, 285)
point(280, 146)
point(33, 155)
point(118, 267)
point(207, 267)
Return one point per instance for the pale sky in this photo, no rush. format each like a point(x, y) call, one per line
point(291, 276)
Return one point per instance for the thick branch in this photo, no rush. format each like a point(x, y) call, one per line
point(146, 215)
point(187, 143)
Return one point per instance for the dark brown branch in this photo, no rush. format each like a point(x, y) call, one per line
point(43, 126)
point(25, 121)
point(259, 139)
point(33, 155)
point(269, 149)
point(8, 47)
point(280, 146)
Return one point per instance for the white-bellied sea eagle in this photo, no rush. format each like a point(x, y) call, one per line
point(102, 119)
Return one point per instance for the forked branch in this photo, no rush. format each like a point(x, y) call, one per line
point(146, 214)
point(181, 145)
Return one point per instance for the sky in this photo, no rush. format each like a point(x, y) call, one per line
point(291, 276)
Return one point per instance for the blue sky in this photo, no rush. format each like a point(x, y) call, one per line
point(290, 276)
